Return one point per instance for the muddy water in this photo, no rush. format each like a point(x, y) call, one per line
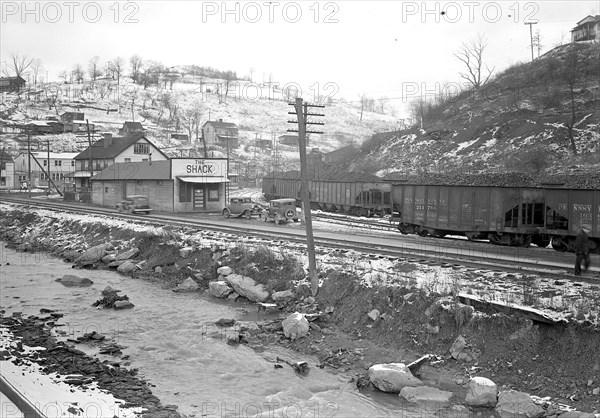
point(171, 339)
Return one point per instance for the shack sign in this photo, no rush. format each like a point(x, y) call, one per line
point(208, 167)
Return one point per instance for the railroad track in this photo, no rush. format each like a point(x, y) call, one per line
point(395, 247)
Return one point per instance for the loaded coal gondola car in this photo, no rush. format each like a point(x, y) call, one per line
point(486, 207)
point(352, 193)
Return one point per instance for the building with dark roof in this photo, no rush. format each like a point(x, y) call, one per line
point(175, 185)
point(11, 84)
point(111, 150)
point(224, 134)
point(131, 128)
point(587, 29)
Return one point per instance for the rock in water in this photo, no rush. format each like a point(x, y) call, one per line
point(74, 281)
point(123, 304)
point(219, 289)
point(188, 285)
point(295, 326)
point(392, 377)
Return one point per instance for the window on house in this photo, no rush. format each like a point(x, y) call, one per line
point(106, 190)
point(55, 163)
point(144, 159)
point(72, 163)
point(45, 163)
point(60, 163)
point(141, 148)
point(127, 160)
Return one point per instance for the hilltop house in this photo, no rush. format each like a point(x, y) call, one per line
point(587, 29)
point(217, 132)
point(289, 140)
point(60, 167)
point(69, 117)
point(131, 128)
point(110, 150)
point(11, 84)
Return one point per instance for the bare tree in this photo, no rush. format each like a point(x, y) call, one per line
point(363, 104)
point(94, 68)
point(37, 67)
point(383, 102)
point(190, 120)
point(418, 110)
point(569, 74)
point(136, 66)
point(78, 73)
point(537, 42)
point(471, 55)
point(229, 77)
point(64, 75)
point(116, 67)
point(17, 65)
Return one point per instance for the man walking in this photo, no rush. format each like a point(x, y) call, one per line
point(582, 251)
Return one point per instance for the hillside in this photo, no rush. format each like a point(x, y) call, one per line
point(518, 122)
point(259, 111)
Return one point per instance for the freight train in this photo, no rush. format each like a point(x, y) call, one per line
point(352, 193)
point(506, 209)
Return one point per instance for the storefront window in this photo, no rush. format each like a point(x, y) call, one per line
point(185, 191)
point(213, 192)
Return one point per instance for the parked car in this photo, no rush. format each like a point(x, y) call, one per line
point(134, 204)
point(281, 210)
point(242, 206)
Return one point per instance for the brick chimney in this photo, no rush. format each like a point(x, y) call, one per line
point(108, 140)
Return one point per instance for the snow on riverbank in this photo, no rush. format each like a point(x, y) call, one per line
point(52, 396)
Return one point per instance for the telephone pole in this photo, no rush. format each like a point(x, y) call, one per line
point(302, 111)
point(531, 35)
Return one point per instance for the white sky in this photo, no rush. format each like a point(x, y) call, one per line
point(376, 47)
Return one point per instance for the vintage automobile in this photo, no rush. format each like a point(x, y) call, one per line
point(281, 210)
point(134, 204)
point(242, 206)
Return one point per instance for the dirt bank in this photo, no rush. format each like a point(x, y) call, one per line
point(547, 360)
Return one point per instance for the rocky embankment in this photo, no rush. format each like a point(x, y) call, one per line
point(424, 347)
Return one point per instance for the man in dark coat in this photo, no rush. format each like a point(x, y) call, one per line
point(582, 251)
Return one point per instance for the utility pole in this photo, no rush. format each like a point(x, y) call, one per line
point(48, 145)
point(29, 163)
point(87, 125)
point(531, 35)
point(301, 110)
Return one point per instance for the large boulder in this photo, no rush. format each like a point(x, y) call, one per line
point(282, 296)
point(219, 289)
point(123, 304)
point(94, 254)
point(425, 394)
point(482, 392)
point(295, 326)
point(126, 255)
point(224, 271)
point(188, 285)
point(127, 267)
point(74, 281)
point(513, 404)
point(248, 288)
point(392, 377)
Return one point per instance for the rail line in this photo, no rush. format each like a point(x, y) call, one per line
point(427, 251)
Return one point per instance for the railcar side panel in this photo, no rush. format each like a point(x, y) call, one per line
point(443, 207)
point(481, 208)
point(433, 199)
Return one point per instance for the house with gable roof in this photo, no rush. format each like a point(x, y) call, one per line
point(224, 134)
point(110, 150)
point(587, 29)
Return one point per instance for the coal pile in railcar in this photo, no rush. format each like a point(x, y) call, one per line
point(568, 181)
